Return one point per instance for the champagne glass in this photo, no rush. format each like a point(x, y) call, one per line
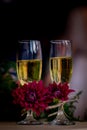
point(61, 71)
point(61, 60)
point(29, 61)
point(29, 68)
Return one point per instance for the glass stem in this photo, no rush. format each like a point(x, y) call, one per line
point(60, 113)
point(29, 115)
point(62, 118)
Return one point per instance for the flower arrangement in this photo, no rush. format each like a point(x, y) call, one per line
point(60, 94)
point(35, 96)
point(60, 91)
point(32, 96)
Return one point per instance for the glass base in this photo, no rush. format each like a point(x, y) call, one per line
point(29, 120)
point(61, 122)
point(61, 118)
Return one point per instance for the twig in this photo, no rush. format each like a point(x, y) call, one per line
point(52, 114)
point(59, 104)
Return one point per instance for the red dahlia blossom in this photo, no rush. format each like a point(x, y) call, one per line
point(60, 90)
point(32, 96)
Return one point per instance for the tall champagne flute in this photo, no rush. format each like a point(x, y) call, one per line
point(29, 61)
point(29, 68)
point(61, 71)
point(61, 60)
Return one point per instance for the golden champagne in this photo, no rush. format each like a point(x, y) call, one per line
point(61, 69)
point(29, 70)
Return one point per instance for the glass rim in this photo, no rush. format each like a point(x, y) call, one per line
point(26, 41)
point(58, 41)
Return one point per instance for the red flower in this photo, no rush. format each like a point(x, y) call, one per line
point(32, 95)
point(60, 90)
point(35, 96)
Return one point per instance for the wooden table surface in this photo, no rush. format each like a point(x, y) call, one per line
point(15, 126)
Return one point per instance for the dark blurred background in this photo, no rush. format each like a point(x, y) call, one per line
point(22, 19)
point(31, 20)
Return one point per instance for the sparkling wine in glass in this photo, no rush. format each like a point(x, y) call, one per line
point(29, 69)
point(61, 60)
point(61, 71)
point(29, 61)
